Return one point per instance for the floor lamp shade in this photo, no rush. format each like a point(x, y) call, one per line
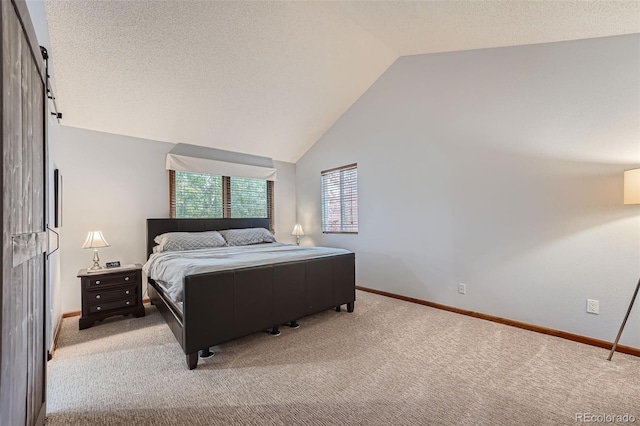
point(632, 186)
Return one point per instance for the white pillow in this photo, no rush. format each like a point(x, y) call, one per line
point(178, 241)
point(248, 236)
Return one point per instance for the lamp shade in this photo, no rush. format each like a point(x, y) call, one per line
point(95, 240)
point(632, 186)
point(297, 230)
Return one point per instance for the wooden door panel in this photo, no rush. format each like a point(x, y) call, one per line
point(22, 292)
point(38, 150)
point(26, 165)
point(36, 370)
point(13, 384)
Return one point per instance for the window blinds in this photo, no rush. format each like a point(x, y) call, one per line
point(196, 195)
point(201, 195)
point(248, 197)
point(340, 199)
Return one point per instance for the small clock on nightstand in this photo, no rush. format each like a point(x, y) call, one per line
point(110, 292)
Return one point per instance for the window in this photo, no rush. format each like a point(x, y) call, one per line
point(248, 197)
point(194, 195)
point(340, 199)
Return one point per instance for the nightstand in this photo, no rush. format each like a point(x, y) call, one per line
point(110, 292)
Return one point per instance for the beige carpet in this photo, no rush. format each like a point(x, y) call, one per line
point(388, 363)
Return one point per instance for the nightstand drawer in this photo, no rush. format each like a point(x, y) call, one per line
point(94, 283)
point(110, 294)
point(109, 306)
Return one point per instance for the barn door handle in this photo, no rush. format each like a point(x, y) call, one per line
point(57, 241)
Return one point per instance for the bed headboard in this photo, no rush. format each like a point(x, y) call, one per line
point(156, 227)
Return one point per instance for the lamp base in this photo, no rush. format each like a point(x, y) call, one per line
point(96, 261)
point(624, 321)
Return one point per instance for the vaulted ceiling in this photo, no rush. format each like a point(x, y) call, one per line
point(269, 78)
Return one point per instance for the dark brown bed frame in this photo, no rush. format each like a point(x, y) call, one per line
point(222, 306)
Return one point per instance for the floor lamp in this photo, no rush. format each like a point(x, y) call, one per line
point(631, 196)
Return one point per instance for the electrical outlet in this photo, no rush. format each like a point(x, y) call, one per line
point(462, 288)
point(593, 306)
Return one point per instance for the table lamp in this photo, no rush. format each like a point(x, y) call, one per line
point(297, 231)
point(95, 240)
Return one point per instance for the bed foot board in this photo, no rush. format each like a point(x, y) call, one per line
point(274, 331)
point(192, 360)
point(294, 324)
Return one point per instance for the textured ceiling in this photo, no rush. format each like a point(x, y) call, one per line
point(269, 78)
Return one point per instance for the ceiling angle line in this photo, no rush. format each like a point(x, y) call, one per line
point(50, 94)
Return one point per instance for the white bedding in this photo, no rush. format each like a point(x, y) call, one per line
point(171, 267)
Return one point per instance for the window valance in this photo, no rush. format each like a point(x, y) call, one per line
point(215, 167)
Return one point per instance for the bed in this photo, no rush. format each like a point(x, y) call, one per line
point(235, 301)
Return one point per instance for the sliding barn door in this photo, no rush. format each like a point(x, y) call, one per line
point(22, 296)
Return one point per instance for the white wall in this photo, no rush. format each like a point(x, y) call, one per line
point(285, 201)
point(501, 169)
point(114, 183)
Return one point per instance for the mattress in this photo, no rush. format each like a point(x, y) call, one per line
point(170, 268)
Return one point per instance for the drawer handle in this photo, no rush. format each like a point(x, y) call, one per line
point(97, 282)
point(98, 308)
point(127, 302)
point(126, 292)
point(126, 278)
point(97, 296)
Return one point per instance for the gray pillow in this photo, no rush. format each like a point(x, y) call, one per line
point(177, 241)
point(248, 236)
